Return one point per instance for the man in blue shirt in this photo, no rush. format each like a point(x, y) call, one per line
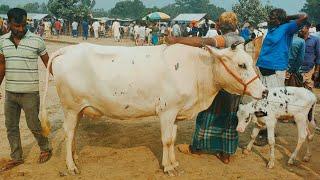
point(274, 55)
point(85, 29)
point(245, 32)
point(311, 64)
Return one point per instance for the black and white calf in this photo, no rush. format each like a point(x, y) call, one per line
point(283, 101)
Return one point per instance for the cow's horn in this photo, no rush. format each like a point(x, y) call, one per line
point(234, 45)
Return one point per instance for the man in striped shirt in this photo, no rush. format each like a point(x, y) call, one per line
point(19, 52)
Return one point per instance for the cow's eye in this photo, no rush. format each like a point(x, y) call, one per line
point(243, 66)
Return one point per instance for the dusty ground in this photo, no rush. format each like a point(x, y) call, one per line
point(111, 149)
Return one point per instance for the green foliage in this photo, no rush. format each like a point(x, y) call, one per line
point(4, 9)
point(252, 11)
point(35, 7)
point(312, 7)
point(71, 9)
point(100, 13)
point(128, 9)
point(193, 6)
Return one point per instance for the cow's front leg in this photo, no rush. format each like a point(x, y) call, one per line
point(168, 133)
point(302, 135)
point(70, 124)
point(271, 141)
point(254, 134)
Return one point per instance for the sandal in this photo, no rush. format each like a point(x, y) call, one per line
point(11, 164)
point(225, 158)
point(44, 156)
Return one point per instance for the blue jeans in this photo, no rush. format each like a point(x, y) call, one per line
point(74, 33)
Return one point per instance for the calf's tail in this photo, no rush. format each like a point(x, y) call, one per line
point(45, 124)
point(311, 115)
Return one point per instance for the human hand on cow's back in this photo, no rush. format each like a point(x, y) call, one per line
point(170, 40)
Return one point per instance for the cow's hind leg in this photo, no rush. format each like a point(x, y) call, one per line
point(70, 128)
point(302, 135)
point(254, 134)
point(168, 131)
point(172, 156)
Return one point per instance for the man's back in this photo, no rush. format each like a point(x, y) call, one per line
point(74, 25)
point(296, 54)
point(275, 49)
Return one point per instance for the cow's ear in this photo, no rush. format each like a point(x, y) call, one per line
point(260, 113)
point(214, 52)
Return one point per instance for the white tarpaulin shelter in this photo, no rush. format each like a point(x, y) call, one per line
point(37, 16)
point(33, 16)
point(190, 17)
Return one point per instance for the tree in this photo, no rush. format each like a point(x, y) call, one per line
point(32, 7)
point(4, 9)
point(100, 13)
point(43, 8)
point(193, 6)
point(128, 9)
point(71, 9)
point(252, 11)
point(312, 7)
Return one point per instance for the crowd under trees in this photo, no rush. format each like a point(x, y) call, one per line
point(253, 11)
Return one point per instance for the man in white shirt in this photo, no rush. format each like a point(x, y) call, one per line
point(74, 29)
point(141, 35)
point(176, 30)
point(96, 26)
point(116, 31)
point(211, 32)
point(135, 30)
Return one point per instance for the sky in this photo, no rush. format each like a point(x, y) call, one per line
point(291, 6)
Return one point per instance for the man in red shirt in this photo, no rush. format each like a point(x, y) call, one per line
point(57, 26)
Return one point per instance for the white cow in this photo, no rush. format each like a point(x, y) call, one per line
point(171, 82)
point(291, 102)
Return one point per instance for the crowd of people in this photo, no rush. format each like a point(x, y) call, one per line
point(291, 47)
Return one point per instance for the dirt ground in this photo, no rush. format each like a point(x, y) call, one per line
point(113, 149)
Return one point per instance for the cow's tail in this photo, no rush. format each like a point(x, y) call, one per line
point(45, 124)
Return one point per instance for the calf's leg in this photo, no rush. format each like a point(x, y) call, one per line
point(254, 134)
point(270, 128)
point(302, 134)
point(307, 156)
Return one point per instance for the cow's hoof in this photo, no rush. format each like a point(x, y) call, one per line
point(306, 158)
point(175, 172)
point(246, 152)
point(179, 171)
point(74, 171)
point(290, 162)
point(171, 171)
point(175, 164)
point(270, 165)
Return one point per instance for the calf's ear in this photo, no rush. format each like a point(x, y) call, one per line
point(260, 113)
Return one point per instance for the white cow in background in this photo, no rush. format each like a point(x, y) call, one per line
point(292, 102)
point(171, 82)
